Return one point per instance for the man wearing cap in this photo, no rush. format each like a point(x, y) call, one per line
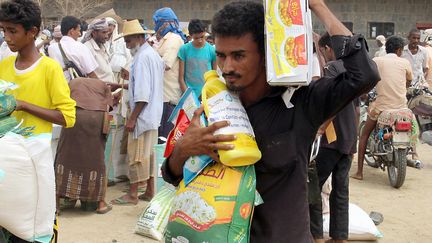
point(146, 104)
point(94, 39)
point(57, 35)
point(170, 38)
point(381, 40)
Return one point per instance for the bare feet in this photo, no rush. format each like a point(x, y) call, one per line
point(146, 196)
point(357, 176)
point(103, 207)
point(125, 200)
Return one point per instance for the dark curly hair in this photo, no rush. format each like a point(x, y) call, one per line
point(24, 12)
point(325, 40)
point(394, 43)
point(196, 26)
point(68, 23)
point(238, 19)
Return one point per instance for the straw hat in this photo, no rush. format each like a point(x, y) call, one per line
point(133, 27)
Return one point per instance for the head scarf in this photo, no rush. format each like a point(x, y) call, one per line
point(57, 32)
point(428, 37)
point(111, 21)
point(47, 33)
point(166, 21)
point(97, 24)
point(381, 39)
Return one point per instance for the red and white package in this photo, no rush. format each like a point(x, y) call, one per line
point(179, 130)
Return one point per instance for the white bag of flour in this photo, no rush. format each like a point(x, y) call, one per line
point(27, 186)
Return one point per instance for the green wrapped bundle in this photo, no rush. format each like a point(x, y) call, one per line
point(7, 124)
point(7, 105)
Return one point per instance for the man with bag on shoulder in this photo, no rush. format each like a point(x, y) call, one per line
point(69, 49)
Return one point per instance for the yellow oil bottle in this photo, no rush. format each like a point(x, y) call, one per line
point(221, 105)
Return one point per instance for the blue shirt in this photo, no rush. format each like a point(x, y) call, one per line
point(197, 61)
point(146, 85)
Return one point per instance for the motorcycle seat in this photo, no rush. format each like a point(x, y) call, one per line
point(389, 117)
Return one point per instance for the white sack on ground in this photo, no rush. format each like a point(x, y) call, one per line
point(361, 226)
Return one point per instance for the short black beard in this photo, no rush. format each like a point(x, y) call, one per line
point(234, 89)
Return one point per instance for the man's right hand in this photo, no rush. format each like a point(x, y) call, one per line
point(124, 74)
point(199, 140)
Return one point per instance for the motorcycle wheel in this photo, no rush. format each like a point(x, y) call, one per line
point(397, 168)
point(370, 160)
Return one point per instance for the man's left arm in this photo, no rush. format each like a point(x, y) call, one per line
point(330, 94)
point(327, 96)
point(141, 90)
point(132, 119)
point(169, 56)
point(426, 64)
point(409, 74)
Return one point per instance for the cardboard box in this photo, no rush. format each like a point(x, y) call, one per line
point(289, 46)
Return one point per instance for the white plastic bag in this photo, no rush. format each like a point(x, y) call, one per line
point(27, 186)
point(154, 219)
point(361, 226)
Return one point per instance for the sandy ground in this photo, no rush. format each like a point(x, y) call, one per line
point(406, 210)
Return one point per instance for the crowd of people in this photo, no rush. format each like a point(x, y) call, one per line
point(113, 90)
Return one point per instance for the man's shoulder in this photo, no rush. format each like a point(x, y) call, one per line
point(50, 63)
point(148, 54)
point(8, 62)
point(53, 46)
point(174, 39)
point(422, 48)
point(91, 45)
point(209, 47)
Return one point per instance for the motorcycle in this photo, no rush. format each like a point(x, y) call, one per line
point(420, 102)
point(390, 142)
point(364, 104)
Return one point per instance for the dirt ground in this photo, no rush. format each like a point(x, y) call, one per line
point(407, 214)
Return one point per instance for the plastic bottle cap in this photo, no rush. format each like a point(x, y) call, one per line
point(210, 74)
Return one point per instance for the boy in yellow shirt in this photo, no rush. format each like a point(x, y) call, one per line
point(43, 95)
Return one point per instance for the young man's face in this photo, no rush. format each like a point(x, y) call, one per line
point(414, 39)
point(198, 39)
point(328, 53)
point(75, 33)
point(100, 36)
point(240, 60)
point(17, 37)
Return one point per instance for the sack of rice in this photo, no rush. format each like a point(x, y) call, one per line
point(7, 105)
point(215, 207)
point(153, 220)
